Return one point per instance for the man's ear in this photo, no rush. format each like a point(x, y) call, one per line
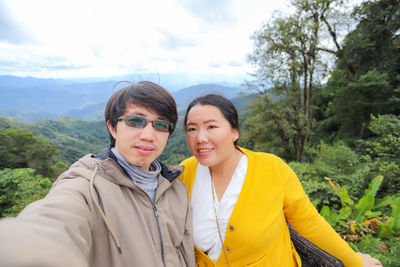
point(111, 129)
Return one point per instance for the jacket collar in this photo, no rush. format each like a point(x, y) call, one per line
point(168, 172)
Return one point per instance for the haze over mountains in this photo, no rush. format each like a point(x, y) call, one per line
point(31, 99)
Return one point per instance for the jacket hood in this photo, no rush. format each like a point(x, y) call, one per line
point(107, 164)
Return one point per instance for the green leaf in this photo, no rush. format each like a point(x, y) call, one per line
point(345, 198)
point(387, 200)
point(364, 204)
point(385, 229)
point(371, 214)
point(325, 211)
point(374, 186)
point(396, 214)
point(344, 213)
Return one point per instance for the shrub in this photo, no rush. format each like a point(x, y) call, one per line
point(338, 162)
point(386, 250)
point(21, 149)
point(358, 218)
point(315, 187)
point(384, 149)
point(18, 188)
point(343, 165)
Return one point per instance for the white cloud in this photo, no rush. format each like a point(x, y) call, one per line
point(75, 38)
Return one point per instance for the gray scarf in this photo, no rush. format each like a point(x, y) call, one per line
point(148, 181)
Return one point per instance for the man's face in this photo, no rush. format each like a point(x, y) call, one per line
point(139, 146)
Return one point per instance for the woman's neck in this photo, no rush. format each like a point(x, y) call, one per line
point(221, 174)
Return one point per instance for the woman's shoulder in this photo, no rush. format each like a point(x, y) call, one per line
point(261, 156)
point(190, 165)
point(192, 161)
point(189, 172)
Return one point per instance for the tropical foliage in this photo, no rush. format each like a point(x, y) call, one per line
point(21, 149)
point(18, 188)
point(329, 103)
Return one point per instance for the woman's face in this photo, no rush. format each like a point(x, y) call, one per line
point(209, 135)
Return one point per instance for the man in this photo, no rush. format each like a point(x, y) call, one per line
point(121, 207)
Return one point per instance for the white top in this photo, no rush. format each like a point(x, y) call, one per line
point(205, 231)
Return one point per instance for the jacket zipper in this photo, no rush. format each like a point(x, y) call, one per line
point(159, 233)
point(156, 215)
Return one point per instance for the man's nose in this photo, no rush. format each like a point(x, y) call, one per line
point(148, 132)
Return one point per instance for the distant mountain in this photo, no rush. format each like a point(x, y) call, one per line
point(242, 102)
point(55, 99)
point(8, 81)
point(184, 96)
point(32, 99)
point(93, 112)
point(173, 81)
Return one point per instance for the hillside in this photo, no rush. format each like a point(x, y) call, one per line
point(75, 138)
point(32, 99)
point(72, 137)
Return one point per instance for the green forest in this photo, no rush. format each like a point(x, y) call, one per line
point(324, 96)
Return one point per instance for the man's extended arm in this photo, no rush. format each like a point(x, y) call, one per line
point(54, 231)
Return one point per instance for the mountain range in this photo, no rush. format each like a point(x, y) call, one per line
point(32, 99)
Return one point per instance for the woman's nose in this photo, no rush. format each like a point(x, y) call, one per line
point(202, 136)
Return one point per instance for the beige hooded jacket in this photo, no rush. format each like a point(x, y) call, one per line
point(94, 215)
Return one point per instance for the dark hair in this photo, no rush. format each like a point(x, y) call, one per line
point(223, 104)
point(146, 94)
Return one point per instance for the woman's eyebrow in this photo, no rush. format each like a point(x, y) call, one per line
point(207, 121)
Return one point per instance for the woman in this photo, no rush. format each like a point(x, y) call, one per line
point(241, 200)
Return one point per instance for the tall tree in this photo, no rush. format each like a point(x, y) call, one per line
point(287, 56)
point(366, 79)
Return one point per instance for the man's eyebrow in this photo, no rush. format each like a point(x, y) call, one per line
point(163, 119)
point(137, 113)
point(140, 114)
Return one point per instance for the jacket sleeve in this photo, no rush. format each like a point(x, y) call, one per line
point(187, 248)
point(306, 220)
point(54, 231)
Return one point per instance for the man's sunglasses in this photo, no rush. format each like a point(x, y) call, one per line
point(138, 122)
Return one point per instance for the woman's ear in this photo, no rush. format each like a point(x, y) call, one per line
point(111, 129)
point(235, 134)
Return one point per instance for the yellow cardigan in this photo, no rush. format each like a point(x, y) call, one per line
point(257, 233)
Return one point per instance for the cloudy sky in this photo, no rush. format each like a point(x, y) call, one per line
point(93, 38)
